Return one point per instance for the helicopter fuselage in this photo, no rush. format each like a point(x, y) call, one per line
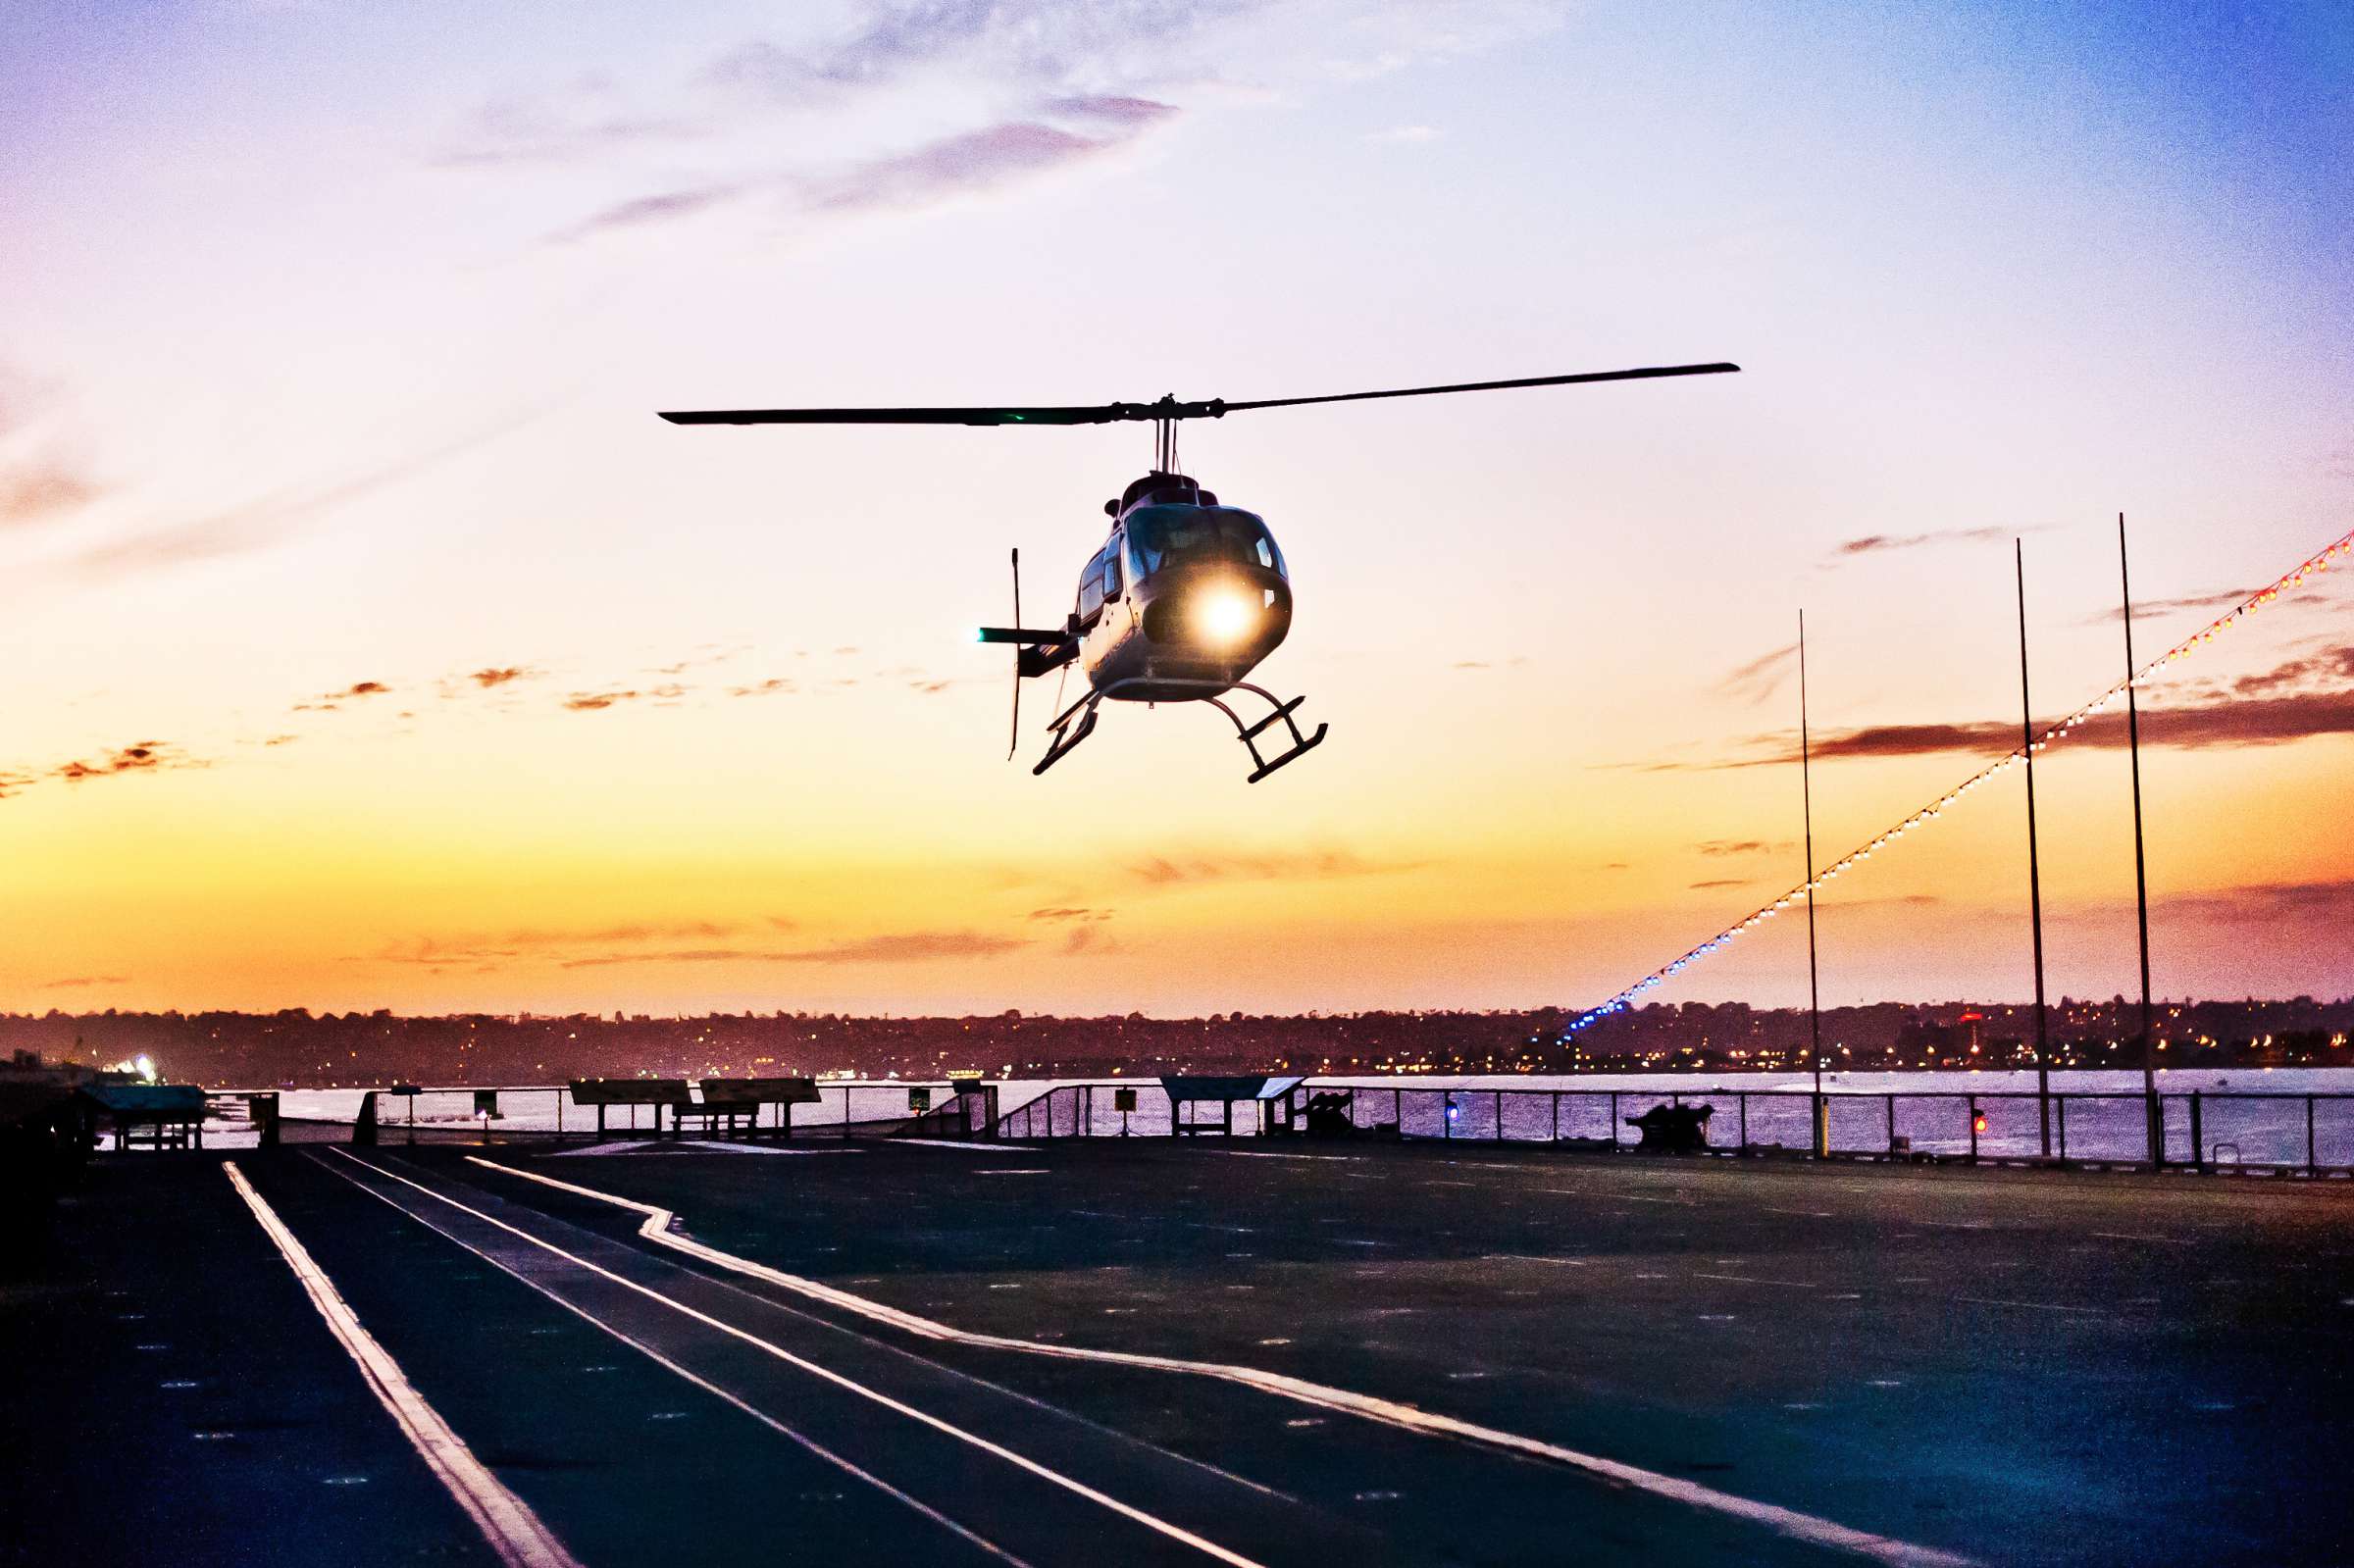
point(1184, 598)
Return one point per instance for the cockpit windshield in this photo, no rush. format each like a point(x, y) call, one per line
point(1183, 536)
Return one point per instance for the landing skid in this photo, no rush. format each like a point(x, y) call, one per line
point(1078, 721)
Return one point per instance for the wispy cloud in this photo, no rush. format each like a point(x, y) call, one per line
point(252, 524)
point(2219, 599)
point(82, 981)
point(333, 702)
point(553, 130)
point(542, 943)
point(1160, 871)
point(1881, 544)
point(143, 756)
point(889, 947)
point(1739, 846)
point(1110, 108)
point(2227, 722)
point(640, 211)
point(1761, 677)
point(596, 701)
point(2325, 905)
point(41, 488)
point(969, 162)
point(1044, 84)
point(36, 485)
point(500, 675)
point(1007, 41)
point(963, 163)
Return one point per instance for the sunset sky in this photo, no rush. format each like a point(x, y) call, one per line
point(370, 643)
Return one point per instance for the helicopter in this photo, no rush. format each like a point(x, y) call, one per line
point(1186, 595)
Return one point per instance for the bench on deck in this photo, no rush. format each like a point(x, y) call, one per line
point(731, 1106)
point(601, 1092)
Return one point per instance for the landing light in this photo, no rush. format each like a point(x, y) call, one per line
point(1223, 616)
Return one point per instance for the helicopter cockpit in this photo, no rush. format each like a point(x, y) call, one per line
point(1168, 537)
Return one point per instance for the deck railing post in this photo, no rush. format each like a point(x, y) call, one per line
point(1891, 1101)
point(2312, 1165)
point(1973, 1130)
point(1557, 1116)
point(2198, 1140)
point(1744, 1100)
point(1500, 1115)
point(2060, 1115)
point(1613, 1117)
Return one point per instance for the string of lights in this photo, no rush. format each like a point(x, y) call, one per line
point(2286, 582)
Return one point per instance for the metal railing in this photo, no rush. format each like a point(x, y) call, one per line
point(543, 1112)
point(2311, 1132)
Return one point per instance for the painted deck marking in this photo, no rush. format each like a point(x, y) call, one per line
point(1174, 1532)
point(962, 1148)
point(2032, 1306)
point(2120, 1235)
point(664, 1361)
point(505, 1520)
point(1784, 1521)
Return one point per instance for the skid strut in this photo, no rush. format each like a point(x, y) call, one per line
point(1082, 714)
point(1078, 721)
point(1280, 712)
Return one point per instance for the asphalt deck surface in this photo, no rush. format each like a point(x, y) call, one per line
point(2009, 1366)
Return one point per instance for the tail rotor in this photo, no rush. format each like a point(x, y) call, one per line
point(1012, 744)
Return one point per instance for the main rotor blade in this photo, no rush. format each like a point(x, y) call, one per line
point(1101, 415)
point(1648, 374)
point(1166, 408)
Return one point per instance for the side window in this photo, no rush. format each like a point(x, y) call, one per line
point(1111, 570)
point(1143, 554)
point(1091, 590)
point(1266, 552)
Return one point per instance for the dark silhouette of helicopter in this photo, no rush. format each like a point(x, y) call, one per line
point(1185, 595)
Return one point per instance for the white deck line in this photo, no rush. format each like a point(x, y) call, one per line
point(667, 1145)
point(812, 1445)
point(1784, 1521)
point(962, 1149)
point(505, 1520)
point(1154, 1522)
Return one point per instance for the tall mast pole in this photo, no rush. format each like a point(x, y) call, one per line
point(2141, 879)
point(1806, 787)
point(2027, 734)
